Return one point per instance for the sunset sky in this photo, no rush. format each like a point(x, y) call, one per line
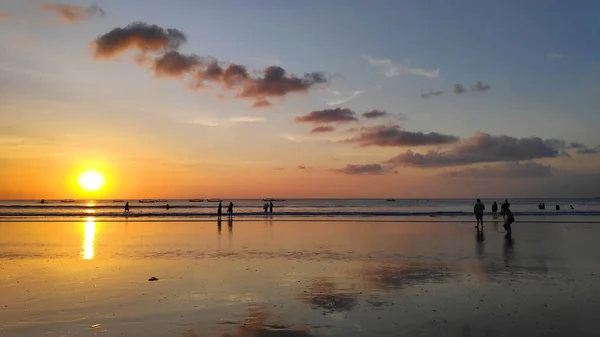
point(256, 98)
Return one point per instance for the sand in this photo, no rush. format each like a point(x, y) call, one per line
point(286, 278)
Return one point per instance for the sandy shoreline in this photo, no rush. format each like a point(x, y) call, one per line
point(311, 278)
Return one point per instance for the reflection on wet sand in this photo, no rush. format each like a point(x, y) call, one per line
point(89, 235)
point(396, 276)
point(324, 294)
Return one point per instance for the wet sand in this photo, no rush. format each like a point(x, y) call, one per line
point(285, 278)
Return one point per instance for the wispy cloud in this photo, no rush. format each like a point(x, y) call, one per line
point(203, 122)
point(479, 86)
point(367, 169)
point(341, 98)
point(73, 13)
point(325, 116)
point(291, 137)
point(4, 16)
point(459, 89)
point(393, 69)
point(431, 94)
point(247, 119)
point(556, 56)
point(322, 129)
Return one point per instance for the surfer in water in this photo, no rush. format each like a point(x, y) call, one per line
point(127, 207)
point(219, 211)
point(230, 210)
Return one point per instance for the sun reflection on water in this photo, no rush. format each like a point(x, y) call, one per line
point(89, 234)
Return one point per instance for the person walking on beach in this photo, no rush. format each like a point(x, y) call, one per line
point(509, 220)
point(504, 206)
point(478, 210)
point(494, 207)
point(230, 210)
point(219, 211)
point(127, 207)
point(271, 207)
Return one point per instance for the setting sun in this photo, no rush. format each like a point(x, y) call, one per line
point(91, 181)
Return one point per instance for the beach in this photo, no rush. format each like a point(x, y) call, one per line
point(298, 278)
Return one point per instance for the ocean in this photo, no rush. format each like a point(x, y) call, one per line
point(290, 209)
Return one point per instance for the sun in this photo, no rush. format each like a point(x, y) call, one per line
point(91, 180)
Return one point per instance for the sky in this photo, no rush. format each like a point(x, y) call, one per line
point(305, 99)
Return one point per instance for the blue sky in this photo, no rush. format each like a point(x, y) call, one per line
point(539, 59)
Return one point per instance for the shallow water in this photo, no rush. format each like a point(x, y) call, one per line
point(310, 278)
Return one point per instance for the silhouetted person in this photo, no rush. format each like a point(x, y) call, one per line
point(503, 207)
point(540, 206)
point(271, 207)
point(168, 207)
point(494, 207)
point(478, 210)
point(230, 210)
point(572, 207)
point(509, 220)
point(127, 207)
point(219, 211)
point(543, 206)
point(557, 208)
point(43, 201)
point(266, 207)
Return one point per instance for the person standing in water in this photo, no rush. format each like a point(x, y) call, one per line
point(127, 207)
point(494, 207)
point(509, 220)
point(266, 207)
point(271, 207)
point(478, 210)
point(230, 210)
point(219, 211)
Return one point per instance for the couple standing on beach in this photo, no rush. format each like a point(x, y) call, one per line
point(229, 210)
point(504, 210)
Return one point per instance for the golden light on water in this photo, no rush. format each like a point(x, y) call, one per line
point(89, 235)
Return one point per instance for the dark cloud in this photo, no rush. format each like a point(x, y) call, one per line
point(336, 115)
point(375, 114)
point(73, 13)
point(431, 94)
point(322, 129)
point(483, 148)
point(583, 149)
point(459, 89)
point(367, 169)
point(392, 135)
point(325, 295)
point(302, 167)
point(160, 46)
point(512, 170)
point(478, 86)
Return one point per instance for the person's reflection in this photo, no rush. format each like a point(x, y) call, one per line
point(495, 222)
point(508, 249)
point(219, 226)
point(480, 248)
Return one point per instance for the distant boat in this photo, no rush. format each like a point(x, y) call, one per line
point(160, 200)
point(196, 200)
point(390, 199)
point(67, 200)
point(145, 201)
point(214, 200)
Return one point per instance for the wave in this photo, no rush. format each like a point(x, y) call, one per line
point(283, 214)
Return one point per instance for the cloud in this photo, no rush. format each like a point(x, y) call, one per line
point(73, 13)
point(393, 69)
point(556, 56)
point(341, 98)
point(583, 149)
point(4, 16)
point(322, 129)
point(367, 169)
point(203, 122)
point(459, 89)
point(302, 167)
point(431, 94)
point(375, 114)
point(511, 170)
point(483, 148)
point(158, 47)
point(392, 135)
point(247, 119)
point(291, 138)
point(478, 86)
point(336, 115)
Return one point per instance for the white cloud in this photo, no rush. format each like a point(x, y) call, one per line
point(340, 97)
point(203, 122)
point(290, 137)
point(246, 119)
point(556, 56)
point(393, 69)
